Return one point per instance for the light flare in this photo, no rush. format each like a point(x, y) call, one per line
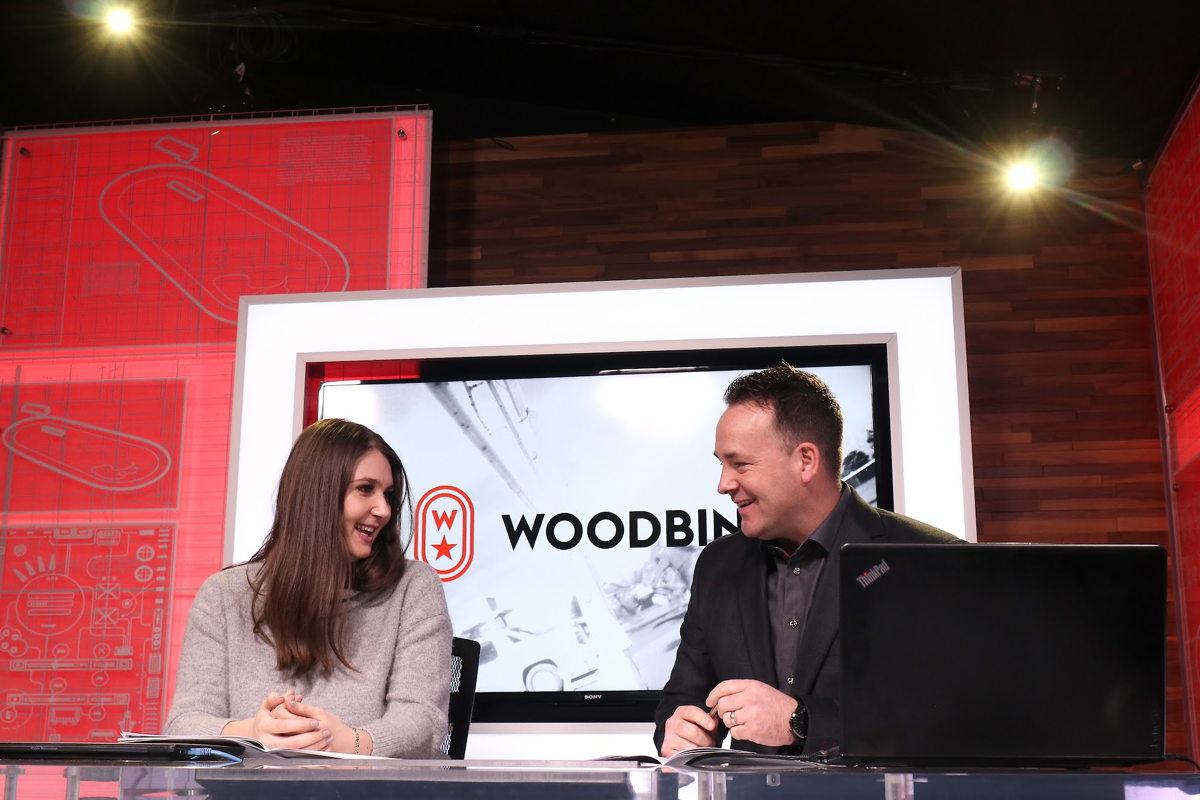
point(119, 20)
point(1022, 177)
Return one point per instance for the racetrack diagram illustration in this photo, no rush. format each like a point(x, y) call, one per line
point(213, 240)
point(92, 455)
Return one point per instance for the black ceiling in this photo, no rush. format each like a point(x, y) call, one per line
point(1108, 76)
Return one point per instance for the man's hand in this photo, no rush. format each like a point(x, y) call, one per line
point(688, 727)
point(754, 711)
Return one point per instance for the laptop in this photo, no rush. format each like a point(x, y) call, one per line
point(112, 753)
point(1002, 654)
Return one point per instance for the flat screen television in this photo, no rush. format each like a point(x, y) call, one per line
point(564, 499)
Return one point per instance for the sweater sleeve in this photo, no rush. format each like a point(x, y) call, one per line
point(414, 719)
point(200, 705)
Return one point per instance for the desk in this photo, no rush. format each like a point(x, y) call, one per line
point(570, 780)
point(859, 784)
point(316, 779)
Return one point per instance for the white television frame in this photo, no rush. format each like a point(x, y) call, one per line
point(916, 313)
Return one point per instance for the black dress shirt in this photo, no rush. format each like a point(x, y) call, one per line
point(791, 579)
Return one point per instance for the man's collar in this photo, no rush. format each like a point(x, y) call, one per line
point(825, 534)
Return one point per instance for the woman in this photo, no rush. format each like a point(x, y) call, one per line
point(328, 638)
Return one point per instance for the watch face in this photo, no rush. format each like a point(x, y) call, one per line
point(799, 723)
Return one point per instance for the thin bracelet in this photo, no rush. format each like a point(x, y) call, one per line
point(355, 740)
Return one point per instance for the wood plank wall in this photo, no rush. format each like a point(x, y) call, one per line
point(1058, 329)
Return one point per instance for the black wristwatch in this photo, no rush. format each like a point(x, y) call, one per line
point(799, 723)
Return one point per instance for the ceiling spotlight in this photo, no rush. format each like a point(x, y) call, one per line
point(1045, 164)
point(1022, 177)
point(118, 20)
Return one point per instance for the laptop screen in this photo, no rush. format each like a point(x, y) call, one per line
point(1002, 653)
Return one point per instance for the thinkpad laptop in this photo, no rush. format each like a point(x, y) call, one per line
point(1002, 654)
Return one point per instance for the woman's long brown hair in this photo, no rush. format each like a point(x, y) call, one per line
point(300, 592)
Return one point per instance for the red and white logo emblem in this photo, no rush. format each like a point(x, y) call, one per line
point(444, 531)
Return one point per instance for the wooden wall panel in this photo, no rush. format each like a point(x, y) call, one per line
point(1058, 328)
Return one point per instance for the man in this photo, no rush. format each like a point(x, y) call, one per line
point(758, 653)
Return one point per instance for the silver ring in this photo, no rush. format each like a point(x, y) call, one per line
point(732, 719)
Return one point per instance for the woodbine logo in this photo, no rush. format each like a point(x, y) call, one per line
point(607, 530)
point(873, 574)
point(444, 530)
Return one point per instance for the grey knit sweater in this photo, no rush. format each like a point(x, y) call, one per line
point(398, 639)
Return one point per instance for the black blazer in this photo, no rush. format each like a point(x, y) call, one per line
point(725, 633)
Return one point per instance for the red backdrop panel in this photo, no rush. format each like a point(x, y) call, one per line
point(83, 637)
point(151, 234)
point(74, 446)
point(1173, 229)
point(123, 255)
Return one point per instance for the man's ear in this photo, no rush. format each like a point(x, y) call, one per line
point(807, 458)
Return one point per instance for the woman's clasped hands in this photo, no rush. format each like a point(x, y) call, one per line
point(284, 720)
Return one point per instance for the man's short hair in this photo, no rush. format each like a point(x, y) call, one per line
point(805, 409)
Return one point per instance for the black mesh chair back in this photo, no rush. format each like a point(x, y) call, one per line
point(464, 670)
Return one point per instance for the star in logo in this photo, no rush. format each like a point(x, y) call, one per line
point(443, 549)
